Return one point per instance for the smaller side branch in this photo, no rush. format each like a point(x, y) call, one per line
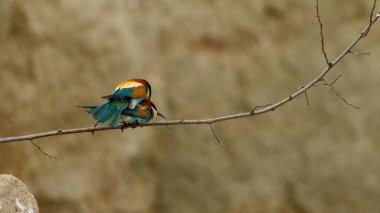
point(307, 99)
point(360, 53)
point(344, 100)
point(216, 137)
point(371, 19)
point(332, 89)
point(41, 150)
point(322, 36)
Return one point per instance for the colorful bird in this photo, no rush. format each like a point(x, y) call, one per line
point(142, 113)
point(127, 94)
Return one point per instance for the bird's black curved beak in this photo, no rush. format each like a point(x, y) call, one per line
point(159, 113)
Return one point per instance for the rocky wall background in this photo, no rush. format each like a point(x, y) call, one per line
point(203, 59)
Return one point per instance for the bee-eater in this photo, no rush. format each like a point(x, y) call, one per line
point(142, 113)
point(127, 94)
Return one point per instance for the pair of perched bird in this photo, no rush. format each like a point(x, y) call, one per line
point(130, 101)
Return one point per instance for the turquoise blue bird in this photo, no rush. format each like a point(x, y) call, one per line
point(127, 95)
point(142, 113)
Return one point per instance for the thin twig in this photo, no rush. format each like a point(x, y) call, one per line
point(255, 112)
point(360, 53)
point(41, 150)
point(344, 100)
point(370, 18)
point(333, 82)
point(307, 99)
point(322, 36)
point(216, 137)
point(332, 90)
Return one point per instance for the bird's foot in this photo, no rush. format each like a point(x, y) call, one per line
point(137, 124)
point(124, 126)
point(132, 125)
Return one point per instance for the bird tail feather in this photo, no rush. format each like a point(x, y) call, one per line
point(87, 107)
point(110, 110)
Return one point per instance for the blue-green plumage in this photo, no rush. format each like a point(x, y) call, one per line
point(142, 113)
point(127, 94)
point(120, 94)
point(109, 111)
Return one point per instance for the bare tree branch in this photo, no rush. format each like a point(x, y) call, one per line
point(256, 111)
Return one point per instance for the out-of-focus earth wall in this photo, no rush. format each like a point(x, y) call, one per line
point(203, 59)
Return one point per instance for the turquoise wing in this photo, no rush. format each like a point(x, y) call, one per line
point(124, 93)
point(109, 111)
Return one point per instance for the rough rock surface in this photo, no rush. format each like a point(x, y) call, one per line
point(15, 197)
point(204, 58)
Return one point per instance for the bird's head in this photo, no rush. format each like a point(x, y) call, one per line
point(156, 112)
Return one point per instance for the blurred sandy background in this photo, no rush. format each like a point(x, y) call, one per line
point(203, 59)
